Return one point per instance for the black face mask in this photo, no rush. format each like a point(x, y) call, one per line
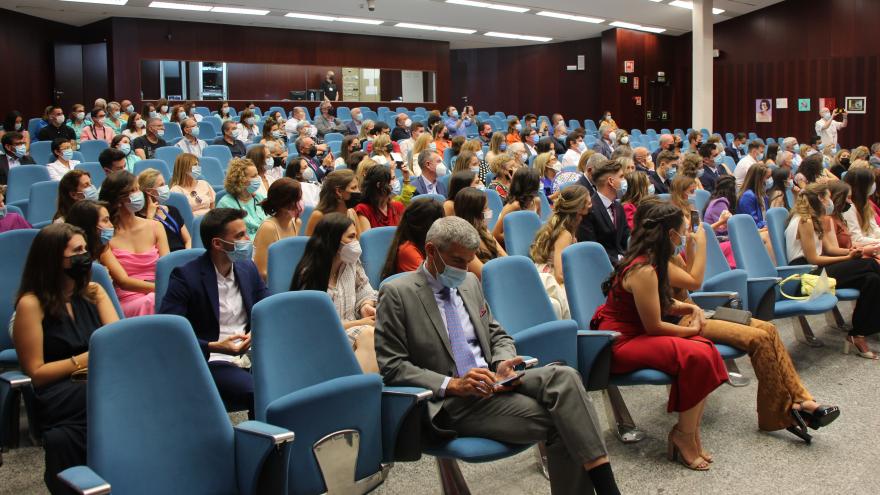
point(671, 147)
point(354, 200)
point(312, 152)
point(80, 266)
point(389, 147)
point(844, 162)
point(846, 207)
point(679, 144)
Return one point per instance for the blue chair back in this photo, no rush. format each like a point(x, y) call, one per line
point(495, 204)
point(777, 220)
point(431, 197)
point(215, 121)
point(701, 199)
point(33, 125)
point(172, 132)
point(14, 248)
point(159, 165)
point(195, 232)
point(220, 152)
point(748, 249)
point(546, 209)
point(41, 152)
point(332, 137)
point(375, 243)
point(101, 276)
point(520, 228)
point(716, 262)
point(21, 179)
point(284, 256)
point(180, 201)
point(516, 294)
point(212, 171)
point(307, 379)
point(304, 218)
point(92, 149)
point(585, 266)
point(447, 158)
point(42, 203)
point(207, 131)
point(96, 172)
point(168, 154)
point(167, 264)
point(203, 111)
point(189, 433)
point(14, 209)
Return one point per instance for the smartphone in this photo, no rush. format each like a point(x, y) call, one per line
point(695, 220)
point(509, 380)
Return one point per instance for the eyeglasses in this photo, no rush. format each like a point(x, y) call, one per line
point(196, 197)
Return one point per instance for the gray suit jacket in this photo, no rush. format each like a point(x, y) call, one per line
point(412, 345)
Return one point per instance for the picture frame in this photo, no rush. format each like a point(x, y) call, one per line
point(856, 104)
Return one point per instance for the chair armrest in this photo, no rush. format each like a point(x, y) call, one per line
point(757, 288)
point(787, 271)
point(401, 422)
point(84, 481)
point(550, 342)
point(594, 357)
point(257, 447)
point(15, 379)
point(711, 300)
point(729, 281)
point(22, 205)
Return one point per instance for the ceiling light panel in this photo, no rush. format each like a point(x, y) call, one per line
point(690, 5)
point(570, 17)
point(487, 5)
point(180, 6)
point(330, 18)
point(512, 36)
point(637, 27)
point(102, 2)
point(427, 27)
point(238, 10)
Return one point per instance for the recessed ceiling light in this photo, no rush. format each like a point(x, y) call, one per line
point(428, 27)
point(358, 20)
point(180, 6)
point(487, 5)
point(314, 17)
point(690, 5)
point(495, 34)
point(102, 2)
point(570, 17)
point(238, 10)
point(637, 27)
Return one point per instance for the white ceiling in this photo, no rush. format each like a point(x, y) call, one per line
point(435, 12)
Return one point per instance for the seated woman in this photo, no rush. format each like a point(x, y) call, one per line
point(247, 128)
point(123, 143)
point(339, 193)
point(242, 183)
point(156, 193)
point(638, 187)
point(548, 167)
point(283, 207)
point(74, 186)
point(441, 138)
point(807, 242)
point(62, 150)
point(261, 158)
point(187, 180)
point(859, 219)
point(10, 220)
point(503, 166)
point(467, 160)
point(457, 182)
point(692, 166)
point(297, 169)
point(332, 263)
point(276, 148)
point(514, 127)
point(135, 127)
point(840, 163)
point(98, 130)
point(377, 208)
point(350, 144)
point(523, 196)
point(783, 401)
point(640, 305)
point(382, 149)
point(94, 220)
point(476, 147)
point(407, 250)
point(57, 310)
point(136, 246)
point(472, 205)
point(497, 146)
point(781, 182)
point(753, 201)
point(553, 237)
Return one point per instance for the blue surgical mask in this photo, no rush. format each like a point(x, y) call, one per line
point(432, 146)
point(21, 151)
point(670, 174)
point(250, 121)
point(162, 194)
point(451, 277)
point(719, 160)
point(242, 251)
point(135, 202)
point(651, 189)
point(797, 148)
point(194, 132)
point(90, 193)
point(679, 250)
point(700, 172)
point(254, 185)
point(160, 132)
point(454, 114)
point(154, 114)
point(503, 147)
point(67, 154)
point(181, 115)
point(129, 109)
point(622, 187)
point(518, 127)
point(196, 172)
point(106, 235)
point(116, 115)
point(277, 134)
point(125, 148)
point(768, 183)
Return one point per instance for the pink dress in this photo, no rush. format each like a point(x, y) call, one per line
point(140, 266)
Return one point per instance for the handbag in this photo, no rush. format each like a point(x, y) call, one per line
point(811, 285)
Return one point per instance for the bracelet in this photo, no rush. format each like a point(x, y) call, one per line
point(74, 361)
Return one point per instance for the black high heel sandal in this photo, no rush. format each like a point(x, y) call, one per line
point(799, 429)
point(821, 416)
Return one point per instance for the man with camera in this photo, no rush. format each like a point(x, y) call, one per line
point(827, 127)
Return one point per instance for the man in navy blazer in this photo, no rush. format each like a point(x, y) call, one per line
point(216, 292)
point(429, 182)
point(606, 222)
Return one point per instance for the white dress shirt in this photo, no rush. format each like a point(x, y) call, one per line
point(571, 158)
point(193, 148)
point(233, 317)
point(290, 129)
point(829, 135)
point(742, 168)
point(58, 169)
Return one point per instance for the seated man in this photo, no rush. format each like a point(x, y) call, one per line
point(216, 292)
point(664, 172)
point(145, 146)
point(402, 124)
point(236, 147)
point(576, 148)
point(466, 352)
point(111, 160)
point(430, 162)
point(14, 154)
point(606, 222)
point(56, 127)
point(713, 167)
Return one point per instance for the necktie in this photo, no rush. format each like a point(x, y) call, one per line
point(611, 214)
point(461, 351)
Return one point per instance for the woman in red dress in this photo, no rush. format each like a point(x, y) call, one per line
point(639, 298)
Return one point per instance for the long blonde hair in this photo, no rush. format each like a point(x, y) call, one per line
point(808, 206)
point(183, 165)
point(495, 142)
point(566, 217)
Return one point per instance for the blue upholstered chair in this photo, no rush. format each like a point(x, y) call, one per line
point(333, 136)
point(199, 444)
point(96, 172)
point(42, 203)
point(168, 154)
point(173, 133)
point(220, 152)
point(154, 163)
point(92, 149)
point(284, 256)
point(207, 131)
point(180, 201)
point(212, 172)
point(20, 180)
point(375, 243)
point(520, 228)
point(425, 197)
point(701, 198)
point(167, 264)
point(101, 276)
point(495, 204)
point(41, 152)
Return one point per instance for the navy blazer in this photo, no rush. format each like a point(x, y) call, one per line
point(660, 187)
point(422, 186)
point(733, 153)
point(710, 177)
point(597, 227)
point(583, 181)
point(4, 166)
point(193, 294)
point(351, 128)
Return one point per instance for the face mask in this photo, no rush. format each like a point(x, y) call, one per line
point(67, 154)
point(196, 172)
point(624, 140)
point(160, 132)
point(608, 118)
point(59, 119)
point(454, 114)
point(353, 200)
point(357, 117)
point(451, 277)
point(518, 127)
point(432, 146)
point(254, 185)
point(651, 189)
point(389, 147)
point(768, 183)
point(844, 162)
point(224, 110)
point(582, 146)
point(700, 173)
point(350, 253)
point(670, 174)
point(80, 266)
point(106, 235)
point(487, 215)
point(797, 148)
point(407, 122)
point(241, 251)
point(18, 126)
point(829, 208)
point(440, 170)
point(162, 194)
point(503, 147)
point(154, 114)
point(250, 121)
point(612, 136)
point(846, 207)
point(622, 187)
point(141, 124)
point(125, 148)
point(116, 115)
point(270, 163)
point(395, 187)
point(135, 202)
point(872, 190)
point(480, 187)
point(475, 170)
point(312, 152)
point(309, 175)
point(80, 116)
point(719, 160)
point(277, 134)
point(181, 115)
point(3, 211)
point(163, 109)
point(194, 132)
point(21, 151)
point(826, 115)
point(313, 131)
point(90, 193)
point(679, 250)
point(129, 109)
point(480, 155)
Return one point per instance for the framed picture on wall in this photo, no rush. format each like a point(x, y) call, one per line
point(763, 110)
point(803, 104)
point(856, 104)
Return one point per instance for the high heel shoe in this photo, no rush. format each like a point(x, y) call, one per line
point(673, 453)
point(850, 345)
point(821, 416)
point(799, 428)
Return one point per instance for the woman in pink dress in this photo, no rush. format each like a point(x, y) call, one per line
point(136, 245)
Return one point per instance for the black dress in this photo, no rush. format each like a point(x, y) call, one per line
point(172, 223)
point(61, 406)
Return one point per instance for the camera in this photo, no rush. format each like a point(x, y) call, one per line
point(371, 5)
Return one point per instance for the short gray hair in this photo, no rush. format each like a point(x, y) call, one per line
point(448, 230)
point(425, 155)
point(875, 148)
point(302, 124)
point(154, 119)
point(789, 142)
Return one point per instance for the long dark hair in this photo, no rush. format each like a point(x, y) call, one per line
point(524, 187)
point(725, 187)
point(459, 181)
point(114, 190)
point(283, 192)
point(470, 203)
point(313, 270)
point(44, 274)
point(9, 122)
point(650, 240)
point(86, 214)
point(68, 184)
point(414, 224)
point(377, 184)
point(780, 177)
point(860, 180)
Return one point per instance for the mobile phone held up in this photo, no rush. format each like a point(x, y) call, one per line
point(695, 220)
point(510, 379)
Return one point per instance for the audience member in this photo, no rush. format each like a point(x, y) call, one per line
point(74, 186)
point(56, 127)
point(122, 143)
point(484, 133)
point(10, 220)
point(156, 194)
point(459, 181)
point(407, 145)
point(666, 142)
point(247, 130)
point(98, 129)
point(606, 223)
point(14, 154)
point(145, 146)
point(353, 126)
point(523, 196)
point(721, 206)
point(840, 163)
point(62, 150)
point(229, 139)
point(340, 192)
point(135, 126)
point(114, 118)
point(94, 220)
point(638, 188)
point(497, 146)
point(112, 160)
point(326, 122)
point(14, 121)
point(331, 263)
point(77, 121)
point(777, 194)
point(259, 155)
point(548, 167)
point(402, 123)
point(472, 205)
point(664, 171)
point(377, 208)
point(859, 219)
point(713, 166)
point(329, 88)
point(755, 150)
point(187, 180)
point(191, 143)
point(605, 144)
point(431, 164)
point(753, 199)
point(827, 128)
point(242, 185)
point(283, 207)
point(307, 149)
point(407, 250)
point(503, 166)
point(514, 127)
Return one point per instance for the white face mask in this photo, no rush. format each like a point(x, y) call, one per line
point(351, 252)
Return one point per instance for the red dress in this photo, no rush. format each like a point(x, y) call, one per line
point(694, 362)
point(377, 218)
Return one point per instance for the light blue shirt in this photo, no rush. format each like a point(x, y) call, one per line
point(466, 325)
point(459, 130)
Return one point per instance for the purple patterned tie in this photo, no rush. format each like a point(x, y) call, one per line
point(461, 351)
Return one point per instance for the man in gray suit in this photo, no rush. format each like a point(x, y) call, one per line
point(434, 330)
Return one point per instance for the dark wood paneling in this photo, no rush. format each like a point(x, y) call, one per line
point(96, 76)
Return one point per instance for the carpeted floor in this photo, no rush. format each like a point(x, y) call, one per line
point(843, 458)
